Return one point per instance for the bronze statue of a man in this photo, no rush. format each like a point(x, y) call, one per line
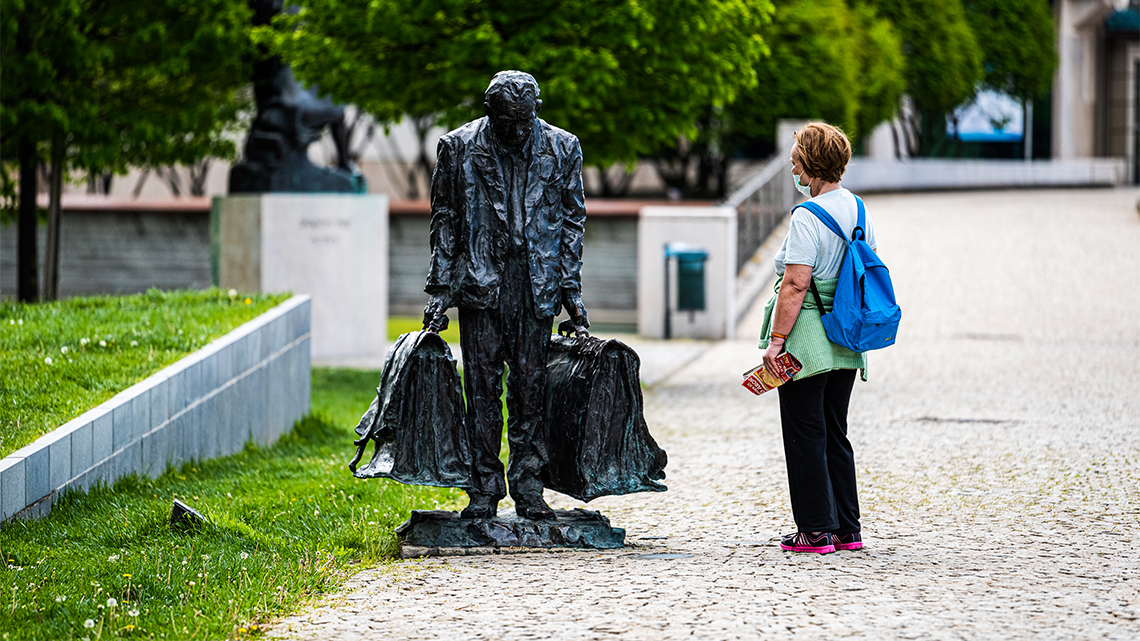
point(507, 216)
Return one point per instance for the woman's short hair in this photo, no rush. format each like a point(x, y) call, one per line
point(824, 151)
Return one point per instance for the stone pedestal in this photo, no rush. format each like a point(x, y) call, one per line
point(434, 532)
point(333, 247)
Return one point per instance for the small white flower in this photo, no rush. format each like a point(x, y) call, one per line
point(133, 613)
point(83, 341)
point(63, 350)
point(233, 292)
point(88, 624)
point(59, 599)
point(316, 512)
point(191, 583)
point(113, 558)
point(134, 343)
point(48, 360)
point(244, 555)
point(102, 343)
point(112, 602)
point(20, 322)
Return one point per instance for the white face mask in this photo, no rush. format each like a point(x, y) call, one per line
point(803, 189)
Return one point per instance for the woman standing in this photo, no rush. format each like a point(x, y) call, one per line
point(813, 405)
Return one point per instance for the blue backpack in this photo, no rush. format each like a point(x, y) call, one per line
point(864, 315)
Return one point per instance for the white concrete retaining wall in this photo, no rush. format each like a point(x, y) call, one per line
point(934, 174)
point(710, 228)
point(250, 384)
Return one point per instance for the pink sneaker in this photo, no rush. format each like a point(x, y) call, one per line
point(851, 541)
point(821, 543)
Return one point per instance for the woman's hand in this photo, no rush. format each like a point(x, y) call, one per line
point(775, 346)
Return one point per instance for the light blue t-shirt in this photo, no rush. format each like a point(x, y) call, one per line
point(810, 242)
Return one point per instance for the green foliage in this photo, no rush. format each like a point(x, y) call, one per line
point(125, 82)
point(1018, 44)
point(626, 77)
point(810, 74)
point(61, 359)
point(286, 524)
point(881, 77)
point(943, 59)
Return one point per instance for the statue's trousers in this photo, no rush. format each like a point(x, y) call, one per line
point(514, 336)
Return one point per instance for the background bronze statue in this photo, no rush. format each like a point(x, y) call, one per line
point(290, 117)
point(507, 221)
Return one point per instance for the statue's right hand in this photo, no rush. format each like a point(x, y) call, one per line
point(435, 312)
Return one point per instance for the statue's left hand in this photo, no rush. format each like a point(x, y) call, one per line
point(572, 301)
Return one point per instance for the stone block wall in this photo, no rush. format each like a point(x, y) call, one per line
point(251, 384)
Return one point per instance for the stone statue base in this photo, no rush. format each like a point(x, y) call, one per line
point(438, 532)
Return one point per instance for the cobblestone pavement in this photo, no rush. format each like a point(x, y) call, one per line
point(998, 448)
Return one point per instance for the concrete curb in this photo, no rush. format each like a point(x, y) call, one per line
point(251, 384)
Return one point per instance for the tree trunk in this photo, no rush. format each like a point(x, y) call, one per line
point(51, 258)
point(27, 262)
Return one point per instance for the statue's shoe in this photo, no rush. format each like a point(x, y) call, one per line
point(533, 508)
point(481, 506)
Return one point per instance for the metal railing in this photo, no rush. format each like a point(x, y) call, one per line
point(761, 203)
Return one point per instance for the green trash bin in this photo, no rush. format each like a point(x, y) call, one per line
point(690, 279)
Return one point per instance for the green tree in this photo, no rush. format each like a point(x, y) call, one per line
point(829, 62)
point(881, 77)
point(810, 74)
point(107, 84)
point(943, 62)
point(626, 77)
point(1017, 42)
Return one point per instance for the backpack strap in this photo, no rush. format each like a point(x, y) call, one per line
point(860, 233)
point(818, 299)
point(825, 217)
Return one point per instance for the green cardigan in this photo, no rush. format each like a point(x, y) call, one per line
point(808, 341)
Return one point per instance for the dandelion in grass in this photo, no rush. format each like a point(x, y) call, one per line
point(134, 343)
point(48, 360)
point(130, 626)
point(243, 556)
point(102, 343)
point(249, 301)
point(59, 599)
point(83, 341)
point(112, 602)
point(88, 624)
point(113, 558)
point(133, 613)
point(63, 350)
point(233, 293)
point(20, 322)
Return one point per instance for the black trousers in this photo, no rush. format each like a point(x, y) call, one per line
point(514, 336)
point(821, 465)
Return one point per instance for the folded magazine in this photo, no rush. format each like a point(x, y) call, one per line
point(759, 380)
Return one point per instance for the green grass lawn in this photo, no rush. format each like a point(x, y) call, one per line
point(61, 359)
point(286, 524)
